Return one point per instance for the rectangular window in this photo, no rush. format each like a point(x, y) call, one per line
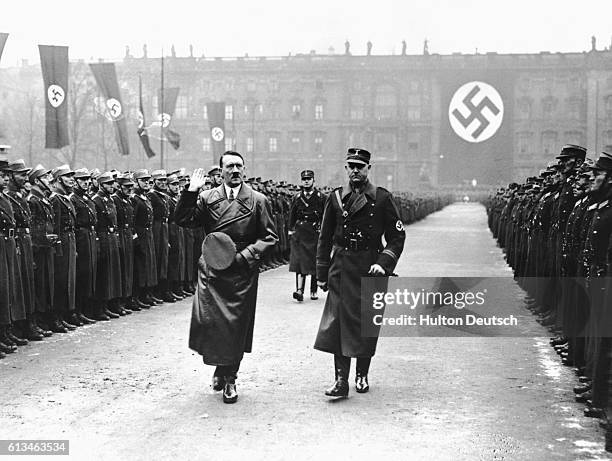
point(205, 112)
point(318, 143)
point(206, 144)
point(229, 112)
point(319, 112)
point(273, 144)
point(296, 110)
point(229, 143)
point(249, 144)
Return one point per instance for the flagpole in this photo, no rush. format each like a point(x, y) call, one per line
point(161, 131)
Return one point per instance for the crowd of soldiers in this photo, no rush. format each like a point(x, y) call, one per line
point(556, 232)
point(79, 246)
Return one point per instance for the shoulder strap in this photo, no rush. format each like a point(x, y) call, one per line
point(339, 200)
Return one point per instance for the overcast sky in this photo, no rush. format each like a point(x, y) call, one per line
point(94, 29)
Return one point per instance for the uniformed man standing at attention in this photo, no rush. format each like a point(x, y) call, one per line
point(304, 224)
point(145, 263)
point(64, 219)
point(87, 251)
point(350, 247)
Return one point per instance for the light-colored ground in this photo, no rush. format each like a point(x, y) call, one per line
point(131, 389)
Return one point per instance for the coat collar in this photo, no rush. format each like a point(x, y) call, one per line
point(225, 212)
point(369, 190)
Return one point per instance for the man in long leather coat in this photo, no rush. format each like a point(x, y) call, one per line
point(224, 306)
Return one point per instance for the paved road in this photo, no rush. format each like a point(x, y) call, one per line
point(131, 389)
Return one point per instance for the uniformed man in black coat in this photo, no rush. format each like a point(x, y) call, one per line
point(305, 217)
point(18, 176)
point(159, 201)
point(350, 247)
point(8, 262)
point(108, 279)
point(125, 223)
point(87, 251)
point(176, 239)
point(145, 263)
point(64, 220)
point(43, 240)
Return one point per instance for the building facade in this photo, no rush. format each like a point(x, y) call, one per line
point(290, 113)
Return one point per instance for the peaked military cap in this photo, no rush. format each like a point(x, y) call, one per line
point(214, 170)
point(82, 173)
point(173, 179)
point(105, 177)
point(218, 250)
point(356, 155)
point(37, 172)
point(63, 170)
point(95, 173)
point(604, 162)
point(572, 151)
point(125, 179)
point(307, 174)
point(18, 166)
point(159, 174)
point(141, 174)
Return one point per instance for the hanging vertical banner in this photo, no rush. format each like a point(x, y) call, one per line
point(166, 107)
point(143, 134)
point(106, 78)
point(216, 121)
point(3, 37)
point(54, 64)
point(476, 135)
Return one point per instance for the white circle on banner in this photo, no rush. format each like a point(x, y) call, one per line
point(217, 133)
point(476, 111)
point(140, 119)
point(165, 119)
point(114, 108)
point(56, 95)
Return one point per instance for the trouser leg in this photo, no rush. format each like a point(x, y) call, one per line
point(363, 365)
point(342, 366)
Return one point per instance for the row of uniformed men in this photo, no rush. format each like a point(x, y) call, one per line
point(78, 247)
point(556, 231)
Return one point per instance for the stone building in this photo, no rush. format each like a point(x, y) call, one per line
point(428, 119)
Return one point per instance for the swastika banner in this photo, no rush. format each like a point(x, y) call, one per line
point(114, 110)
point(476, 134)
point(54, 64)
point(167, 106)
point(216, 121)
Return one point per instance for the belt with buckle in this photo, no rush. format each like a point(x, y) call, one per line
point(354, 244)
point(23, 230)
point(8, 232)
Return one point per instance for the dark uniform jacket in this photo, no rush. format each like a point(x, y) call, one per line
point(64, 220)
point(145, 263)
point(305, 220)
point(86, 244)
point(125, 223)
point(108, 282)
point(224, 306)
point(23, 239)
point(42, 226)
point(8, 260)
point(176, 239)
point(349, 243)
point(161, 212)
